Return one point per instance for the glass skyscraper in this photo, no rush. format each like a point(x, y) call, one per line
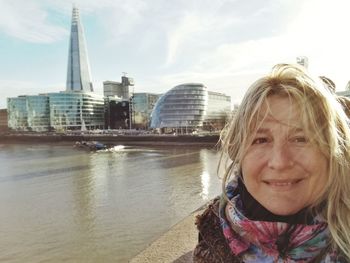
point(78, 74)
point(76, 108)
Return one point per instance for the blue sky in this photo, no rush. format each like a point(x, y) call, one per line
point(224, 44)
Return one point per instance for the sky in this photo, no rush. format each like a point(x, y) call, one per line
point(224, 44)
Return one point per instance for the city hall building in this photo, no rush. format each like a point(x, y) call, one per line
point(189, 107)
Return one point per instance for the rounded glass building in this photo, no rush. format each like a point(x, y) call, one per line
point(184, 107)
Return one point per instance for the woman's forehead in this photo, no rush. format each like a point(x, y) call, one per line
point(281, 109)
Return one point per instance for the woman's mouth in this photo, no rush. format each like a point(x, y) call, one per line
point(282, 184)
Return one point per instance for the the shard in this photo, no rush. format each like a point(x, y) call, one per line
point(78, 75)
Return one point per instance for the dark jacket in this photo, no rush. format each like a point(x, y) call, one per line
point(212, 246)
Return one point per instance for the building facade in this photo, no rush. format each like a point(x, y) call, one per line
point(56, 112)
point(141, 109)
point(17, 113)
point(189, 107)
point(78, 73)
point(218, 111)
point(115, 89)
point(302, 60)
point(76, 111)
point(117, 113)
point(77, 108)
point(3, 120)
point(38, 109)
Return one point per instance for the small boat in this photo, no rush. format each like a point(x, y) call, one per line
point(90, 145)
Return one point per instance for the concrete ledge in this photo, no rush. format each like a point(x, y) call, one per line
point(174, 246)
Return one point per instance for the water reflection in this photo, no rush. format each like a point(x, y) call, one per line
point(75, 206)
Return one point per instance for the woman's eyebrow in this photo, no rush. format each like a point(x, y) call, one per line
point(267, 130)
point(263, 130)
point(296, 130)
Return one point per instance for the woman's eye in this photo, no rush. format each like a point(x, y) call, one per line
point(260, 140)
point(300, 139)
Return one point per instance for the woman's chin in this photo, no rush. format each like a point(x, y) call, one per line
point(283, 208)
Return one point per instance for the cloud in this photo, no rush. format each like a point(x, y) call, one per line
point(202, 29)
point(123, 19)
point(26, 20)
point(320, 32)
point(224, 44)
point(317, 30)
point(32, 21)
point(179, 35)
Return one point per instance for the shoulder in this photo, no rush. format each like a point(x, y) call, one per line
point(212, 246)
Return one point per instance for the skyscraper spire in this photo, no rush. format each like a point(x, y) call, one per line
point(78, 74)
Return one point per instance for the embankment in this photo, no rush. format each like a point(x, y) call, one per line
point(154, 140)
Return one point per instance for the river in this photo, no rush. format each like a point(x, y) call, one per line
point(62, 204)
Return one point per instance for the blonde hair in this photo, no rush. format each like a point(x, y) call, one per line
point(325, 122)
point(345, 102)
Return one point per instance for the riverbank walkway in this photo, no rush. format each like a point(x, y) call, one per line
point(175, 246)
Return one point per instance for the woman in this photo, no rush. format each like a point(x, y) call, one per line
point(286, 189)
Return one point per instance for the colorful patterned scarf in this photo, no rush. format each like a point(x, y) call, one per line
point(263, 241)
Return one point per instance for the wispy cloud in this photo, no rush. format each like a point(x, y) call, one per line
point(224, 44)
point(26, 20)
point(188, 26)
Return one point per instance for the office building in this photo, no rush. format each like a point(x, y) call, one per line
point(3, 120)
point(77, 108)
point(38, 110)
point(17, 113)
point(304, 61)
point(218, 111)
point(118, 89)
point(76, 111)
point(117, 113)
point(56, 111)
point(78, 73)
point(141, 109)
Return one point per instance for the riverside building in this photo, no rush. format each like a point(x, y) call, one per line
point(304, 61)
point(56, 112)
point(118, 89)
point(38, 109)
point(218, 111)
point(117, 113)
point(190, 107)
point(78, 73)
point(3, 120)
point(142, 106)
point(76, 108)
point(17, 113)
point(76, 111)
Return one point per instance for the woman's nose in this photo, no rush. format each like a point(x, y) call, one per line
point(280, 157)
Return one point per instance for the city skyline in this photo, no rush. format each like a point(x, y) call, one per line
point(225, 45)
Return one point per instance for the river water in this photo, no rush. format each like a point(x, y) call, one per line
point(61, 204)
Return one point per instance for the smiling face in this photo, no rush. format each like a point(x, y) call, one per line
point(282, 169)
